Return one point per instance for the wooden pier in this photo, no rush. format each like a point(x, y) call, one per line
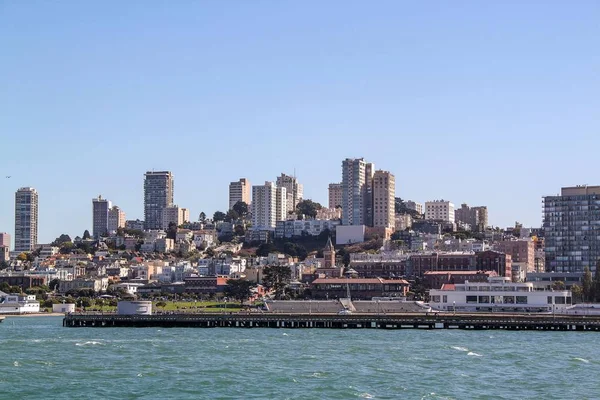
point(543, 322)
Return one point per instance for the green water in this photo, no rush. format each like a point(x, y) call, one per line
point(42, 360)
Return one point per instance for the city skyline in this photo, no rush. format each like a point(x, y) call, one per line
point(493, 105)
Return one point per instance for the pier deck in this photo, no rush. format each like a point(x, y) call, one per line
point(335, 321)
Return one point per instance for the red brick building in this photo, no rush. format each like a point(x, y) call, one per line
point(360, 288)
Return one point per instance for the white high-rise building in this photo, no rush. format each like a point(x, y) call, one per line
point(294, 190)
point(175, 214)
point(384, 190)
point(116, 219)
point(240, 191)
point(26, 219)
point(269, 203)
point(439, 210)
point(100, 210)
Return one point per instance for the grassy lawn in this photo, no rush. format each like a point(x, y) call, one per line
point(174, 306)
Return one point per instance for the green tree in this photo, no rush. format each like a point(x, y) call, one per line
point(64, 238)
point(558, 285)
point(86, 235)
point(22, 257)
point(239, 289)
point(241, 208)
point(264, 249)
point(587, 284)
point(307, 208)
point(202, 217)
point(66, 247)
point(161, 304)
point(231, 216)
point(239, 230)
point(219, 216)
point(276, 278)
point(577, 292)
point(172, 230)
point(4, 287)
point(596, 283)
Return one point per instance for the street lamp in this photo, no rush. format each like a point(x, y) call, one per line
point(454, 307)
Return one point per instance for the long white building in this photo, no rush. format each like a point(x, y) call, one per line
point(499, 294)
point(269, 204)
point(439, 210)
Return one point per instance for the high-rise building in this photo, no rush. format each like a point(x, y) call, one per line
point(294, 190)
point(240, 191)
point(475, 217)
point(353, 191)
point(4, 239)
point(175, 214)
point(439, 210)
point(158, 195)
point(265, 205)
point(384, 190)
point(100, 209)
point(26, 219)
point(368, 212)
point(116, 219)
point(572, 229)
point(335, 195)
point(282, 201)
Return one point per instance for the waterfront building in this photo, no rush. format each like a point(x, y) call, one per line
point(26, 219)
point(4, 239)
point(100, 210)
point(335, 195)
point(360, 288)
point(240, 191)
point(175, 214)
point(116, 219)
point(384, 190)
point(294, 190)
point(439, 210)
point(572, 229)
point(436, 279)
point(499, 294)
point(18, 304)
point(475, 217)
point(158, 195)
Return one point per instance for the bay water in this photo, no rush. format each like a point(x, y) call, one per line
point(39, 359)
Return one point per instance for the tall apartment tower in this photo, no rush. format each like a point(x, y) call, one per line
point(158, 195)
point(264, 205)
point(572, 229)
point(294, 190)
point(476, 217)
point(384, 190)
point(116, 219)
point(335, 195)
point(4, 239)
point(353, 191)
point(26, 219)
point(368, 213)
point(100, 210)
point(240, 191)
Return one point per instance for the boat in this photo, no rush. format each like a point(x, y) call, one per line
point(2, 319)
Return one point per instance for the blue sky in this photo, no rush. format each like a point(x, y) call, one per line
point(488, 103)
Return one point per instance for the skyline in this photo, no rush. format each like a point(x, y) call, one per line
point(475, 108)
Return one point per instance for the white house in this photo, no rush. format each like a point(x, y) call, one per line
point(17, 304)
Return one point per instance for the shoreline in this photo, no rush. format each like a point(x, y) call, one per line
point(33, 315)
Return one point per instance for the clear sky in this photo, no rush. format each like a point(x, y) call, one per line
point(488, 103)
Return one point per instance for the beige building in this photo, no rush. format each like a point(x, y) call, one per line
point(240, 191)
point(158, 195)
point(294, 190)
point(522, 252)
point(335, 195)
point(439, 210)
point(265, 201)
point(384, 190)
point(175, 214)
point(475, 217)
point(281, 204)
point(116, 219)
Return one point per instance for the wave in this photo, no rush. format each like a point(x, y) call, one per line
point(474, 354)
point(366, 396)
point(459, 348)
point(583, 360)
point(91, 342)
